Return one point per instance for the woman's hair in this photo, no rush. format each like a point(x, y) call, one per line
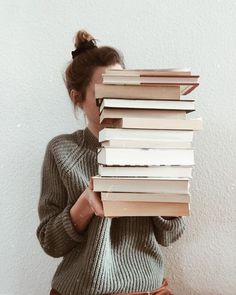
point(86, 59)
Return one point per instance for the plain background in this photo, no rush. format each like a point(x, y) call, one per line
point(36, 43)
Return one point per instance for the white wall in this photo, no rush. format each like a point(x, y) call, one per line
point(36, 41)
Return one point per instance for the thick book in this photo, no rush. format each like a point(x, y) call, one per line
point(123, 208)
point(112, 113)
point(145, 197)
point(144, 157)
point(141, 185)
point(154, 123)
point(145, 135)
point(146, 144)
point(148, 171)
point(187, 106)
point(138, 92)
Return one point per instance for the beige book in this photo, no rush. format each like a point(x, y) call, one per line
point(122, 208)
point(137, 92)
point(113, 113)
point(141, 185)
point(145, 197)
point(154, 123)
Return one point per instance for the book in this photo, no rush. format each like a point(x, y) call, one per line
point(154, 123)
point(145, 135)
point(146, 171)
point(151, 72)
point(188, 106)
point(149, 79)
point(137, 92)
point(123, 208)
point(146, 144)
point(141, 185)
point(145, 197)
point(108, 113)
point(144, 157)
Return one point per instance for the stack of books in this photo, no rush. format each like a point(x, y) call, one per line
point(146, 156)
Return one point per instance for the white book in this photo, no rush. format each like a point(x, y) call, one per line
point(145, 135)
point(150, 171)
point(145, 197)
point(188, 106)
point(146, 144)
point(145, 157)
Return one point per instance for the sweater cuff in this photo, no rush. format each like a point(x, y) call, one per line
point(169, 225)
point(70, 228)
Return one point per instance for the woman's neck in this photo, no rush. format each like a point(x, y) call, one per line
point(93, 129)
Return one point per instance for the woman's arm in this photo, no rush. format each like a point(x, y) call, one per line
point(167, 230)
point(88, 204)
point(56, 232)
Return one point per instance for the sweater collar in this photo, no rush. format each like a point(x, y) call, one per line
point(91, 140)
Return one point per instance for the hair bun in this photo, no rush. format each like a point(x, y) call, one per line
point(81, 37)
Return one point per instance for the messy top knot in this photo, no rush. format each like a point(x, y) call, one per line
point(81, 37)
point(83, 42)
point(86, 58)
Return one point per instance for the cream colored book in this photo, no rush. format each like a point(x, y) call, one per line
point(145, 157)
point(141, 185)
point(145, 197)
point(154, 123)
point(118, 113)
point(150, 171)
point(122, 208)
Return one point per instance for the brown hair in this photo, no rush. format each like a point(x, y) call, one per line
point(80, 70)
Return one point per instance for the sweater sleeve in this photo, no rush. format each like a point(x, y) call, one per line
point(168, 231)
point(56, 232)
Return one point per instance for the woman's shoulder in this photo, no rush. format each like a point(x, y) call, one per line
point(63, 145)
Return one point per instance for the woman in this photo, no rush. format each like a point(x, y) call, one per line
point(100, 255)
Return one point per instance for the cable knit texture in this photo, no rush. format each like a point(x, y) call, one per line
point(112, 255)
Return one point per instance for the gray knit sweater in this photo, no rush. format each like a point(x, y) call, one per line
point(113, 254)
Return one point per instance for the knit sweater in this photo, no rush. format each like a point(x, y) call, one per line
point(111, 255)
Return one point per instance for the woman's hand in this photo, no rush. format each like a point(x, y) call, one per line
point(94, 200)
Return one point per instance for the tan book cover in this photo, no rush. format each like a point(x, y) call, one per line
point(145, 197)
point(154, 123)
point(122, 208)
point(137, 92)
point(112, 113)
